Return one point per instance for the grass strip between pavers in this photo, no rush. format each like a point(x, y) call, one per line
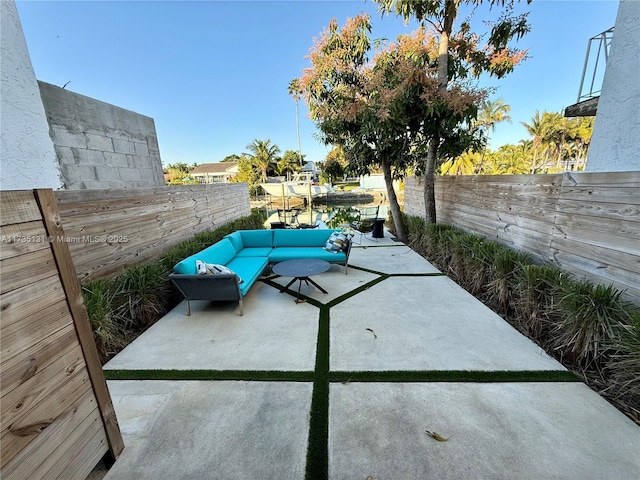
point(249, 375)
point(289, 291)
point(459, 376)
point(433, 274)
point(362, 288)
point(318, 444)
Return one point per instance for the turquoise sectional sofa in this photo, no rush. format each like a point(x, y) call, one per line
point(247, 253)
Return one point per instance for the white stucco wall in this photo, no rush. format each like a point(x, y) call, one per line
point(27, 156)
point(615, 144)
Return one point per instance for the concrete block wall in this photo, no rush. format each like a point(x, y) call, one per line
point(99, 145)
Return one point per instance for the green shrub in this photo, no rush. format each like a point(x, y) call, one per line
point(108, 331)
point(539, 288)
point(502, 286)
point(480, 263)
point(144, 291)
point(624, 364)
point(591, 315)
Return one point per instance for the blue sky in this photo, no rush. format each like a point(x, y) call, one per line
point(214, 74)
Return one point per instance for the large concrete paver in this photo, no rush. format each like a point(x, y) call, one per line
point(393, 259)
point(211, 430)
point(426, 323)
point(498, 431)
point(273, 334)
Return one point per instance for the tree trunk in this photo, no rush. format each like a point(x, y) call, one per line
point(393, 199)
point(429, 182)
point(451, 12)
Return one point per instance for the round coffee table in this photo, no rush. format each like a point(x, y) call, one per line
point(301, 269)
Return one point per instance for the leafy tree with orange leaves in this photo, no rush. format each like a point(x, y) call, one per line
point(461, 55)
point(380, 111)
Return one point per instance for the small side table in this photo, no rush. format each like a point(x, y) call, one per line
point(378, 228)
point(301, 269)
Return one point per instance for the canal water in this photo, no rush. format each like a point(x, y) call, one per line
point(326, 216)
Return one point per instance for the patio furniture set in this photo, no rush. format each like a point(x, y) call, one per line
point(227, 270)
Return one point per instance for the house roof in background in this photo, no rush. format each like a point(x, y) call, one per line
point(218, 167)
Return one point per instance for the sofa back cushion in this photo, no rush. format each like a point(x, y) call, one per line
point(220, 253)
point(236, 240)
point(256, 238)
point(301, 238)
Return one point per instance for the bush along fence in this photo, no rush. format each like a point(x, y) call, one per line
point(123, 307)
point(589, 328)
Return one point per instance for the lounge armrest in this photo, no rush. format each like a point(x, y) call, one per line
point(207, 287)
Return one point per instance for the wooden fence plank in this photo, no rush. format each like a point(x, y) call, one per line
point(18, 206)
point(19, 410)
point(595, 178)
point(618, 211)
point(26, 269)
point(612, 240)
point(616, 226)
point(23, 465)
point(598, 255)
point(22, 238)
point(73, 292)
point(19, 336)
point(19, 368)
point(90, 432)
point(601, 194)
point(19, 303)
point(35, 422)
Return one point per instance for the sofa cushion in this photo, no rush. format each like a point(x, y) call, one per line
point(220, 253)
point(254, 252)
point(256, 238)
point(337, 242)
point(289, 253)
point(300, 238)
point(236, 240)
point(248, 269)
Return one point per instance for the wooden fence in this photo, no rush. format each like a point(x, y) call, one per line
point(110, 230)
point(57, 418)
point(586, 223)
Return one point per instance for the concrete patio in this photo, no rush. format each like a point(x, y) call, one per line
point(345, 386)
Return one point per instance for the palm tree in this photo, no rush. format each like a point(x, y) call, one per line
point(465, 164)
point(294, 90)
point(263, 155)
point(537, 129)
point(287, 164)
point(490, 114)
point(513, 160)
point(582, 139)
point(556, 133)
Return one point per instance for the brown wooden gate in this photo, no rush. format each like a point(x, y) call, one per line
point(57, 418)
